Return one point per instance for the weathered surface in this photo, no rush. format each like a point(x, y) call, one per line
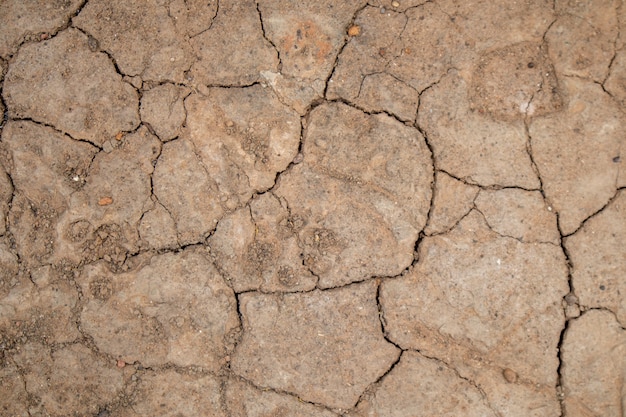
point(472, 146)
point(31, 20)
point(257, 248)
point(484, 303)
point(452, 200)
point(520, 214)
point(233, 50)
point(598, 259)
point(578, 183)
point(63, 83)
point(325, 347)
point(140, 35)
point(243, 400)
point(46, 168)
point(594, 366)
point(162, 108)
point(415, 386)
point(378, 207)
point(71, 378)
point(6, 193)
point(172, 394)
point(175, 309)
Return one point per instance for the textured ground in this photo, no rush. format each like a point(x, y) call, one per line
point(319, 208)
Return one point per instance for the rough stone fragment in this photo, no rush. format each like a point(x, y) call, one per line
point(324, 346)
point(6, 193)
point(363, 190)
point(423, 45)
point(469, 145)
point(452, 200)
point(63, 83)
point(484, 303)
point(233, 50)
point(515, 82)
point(418, 386)
point(257, 248)
point(46, 167)
point(599, 260)
point(577, 182)
point(594, 366)
point(171, 394)
point(163, 109)
point(243, 138)
point(70, 378)
point(175, 309)
point(577, 48)
point(157, 228)
point(42, 312)
point(245, 401)
point(141, 35)
point(184, 188)
point(520, 214)
point(488, 24)
point(26, 20)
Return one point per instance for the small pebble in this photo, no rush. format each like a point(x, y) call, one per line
point(105, 201)
point(383, 10)
point(395, 4)
point(121, 363)
point(119, 136)
point(509, 375)
point(354, 30)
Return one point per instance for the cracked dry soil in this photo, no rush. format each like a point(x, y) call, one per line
point(276, 208)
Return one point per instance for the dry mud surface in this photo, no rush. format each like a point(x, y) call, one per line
point(321, 208)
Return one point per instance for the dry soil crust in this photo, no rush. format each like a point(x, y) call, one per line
point(319, 208)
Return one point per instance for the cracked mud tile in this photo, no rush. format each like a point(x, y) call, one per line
point(598, 259)
point(577, 152)
point(243, 400)
point(485, 303)
point(6, 194)
point(63, 83)
point(47, 167)
point(325, 347)
point(363, 191)
point(594, 366)
point(32, 20)
point(452, 199)
point(102, 220)
point(193, 17)
point(163, 109)
point(188, 194)
point(70, 378)
point(308, 37)
point(419, 386)
point(141, 37)
point(519, 214)
point(175, 308)
point(233, 51)
point(172, 394)
point(487, 24)
point(257, 248)
point(615, 84)
point(43, 311)
point(399, 55)
point(157, 229)
point(13, 396)
point(580, 49)
point(471, 146)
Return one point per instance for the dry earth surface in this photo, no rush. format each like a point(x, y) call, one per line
point(323, 208)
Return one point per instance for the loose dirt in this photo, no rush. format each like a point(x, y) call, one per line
point(318, 208)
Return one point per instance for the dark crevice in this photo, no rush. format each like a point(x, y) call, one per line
point(592, 215)
point(267, 38)
point(59, 131)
